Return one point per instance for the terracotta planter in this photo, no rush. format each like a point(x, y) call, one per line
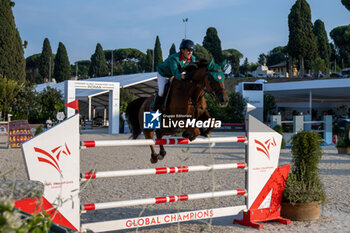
point(301, 211)
point(343, 150)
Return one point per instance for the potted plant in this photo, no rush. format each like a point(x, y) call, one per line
point(343, 145)
point(304, 192)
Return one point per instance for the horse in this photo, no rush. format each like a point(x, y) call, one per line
point(185, 99)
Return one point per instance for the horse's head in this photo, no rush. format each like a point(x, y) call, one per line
point(215, 85)
point(211, 77)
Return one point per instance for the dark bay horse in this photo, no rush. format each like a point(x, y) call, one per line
point(185, 98)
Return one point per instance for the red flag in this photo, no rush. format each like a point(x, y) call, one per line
point(74, 104)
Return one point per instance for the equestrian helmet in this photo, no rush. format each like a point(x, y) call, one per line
point(187, 44)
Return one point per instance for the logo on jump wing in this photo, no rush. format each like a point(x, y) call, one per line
point(265, 146)
point(54, 157)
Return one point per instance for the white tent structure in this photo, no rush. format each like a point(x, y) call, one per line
point(93, 103)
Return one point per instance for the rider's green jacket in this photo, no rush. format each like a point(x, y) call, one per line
point(174, 65)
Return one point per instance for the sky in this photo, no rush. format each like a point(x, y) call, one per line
point(250, 26)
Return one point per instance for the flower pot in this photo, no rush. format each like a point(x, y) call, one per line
point(301, 211)
point(343, 150)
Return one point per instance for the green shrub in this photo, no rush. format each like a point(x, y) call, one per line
point(39, 130)
point(344, 140)
point(11, 220)
point(303, 184)
point(279, 129)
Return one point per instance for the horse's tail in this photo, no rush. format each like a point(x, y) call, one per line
point(132, 115)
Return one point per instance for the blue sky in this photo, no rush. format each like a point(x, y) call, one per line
point(250, 26)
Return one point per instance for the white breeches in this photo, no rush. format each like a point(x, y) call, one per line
point(162, 81)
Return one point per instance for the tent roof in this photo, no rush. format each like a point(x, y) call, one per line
point(328, 90)
point(141, 84)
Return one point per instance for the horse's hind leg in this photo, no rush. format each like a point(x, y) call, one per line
point(162, 151)
point(154, 155)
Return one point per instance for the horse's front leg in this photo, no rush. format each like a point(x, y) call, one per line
point(205, 131)
point(162, 151)
point(154, 155)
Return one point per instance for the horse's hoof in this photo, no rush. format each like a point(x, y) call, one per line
point(154, 160)
point(162, 153)
point(191, 138)
point(186, 134)
point(205, 132)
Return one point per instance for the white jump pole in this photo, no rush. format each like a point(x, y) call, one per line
point(168, 141)
point(158, 200)
point(163, 170)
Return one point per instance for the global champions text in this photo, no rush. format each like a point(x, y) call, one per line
point(162, 219)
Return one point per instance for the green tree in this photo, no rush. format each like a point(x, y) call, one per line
point(262, 59)
point(245, 67)
point(126, 60)
point(172, 49)
point(233, 113)
point(62, 70)
point(158, 57)
point(335, 59)
point(302, 43)
point(318, 65)
point(269, 106)
point(46, 62)
point(201, 53)
point(233, 58)
point(32, 68)
point(50, 102)
point(276, 55)
point(83, 68)
point(149, 60)
point(323, 47)
point(12, 62)
point(25, 105)
point(213, 44)
point(98, 66)
point(346, 3)
point(341, 38)
point(9, 90)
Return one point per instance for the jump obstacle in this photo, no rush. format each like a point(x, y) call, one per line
point(53, 158)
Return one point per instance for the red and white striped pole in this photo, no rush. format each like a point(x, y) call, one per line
point(162, 170)
point(158, 200)
point(165, 141)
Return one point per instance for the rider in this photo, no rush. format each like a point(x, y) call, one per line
point(173, 66)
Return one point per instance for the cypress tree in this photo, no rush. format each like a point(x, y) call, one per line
point(201, 53)
point(12, 62)
point(46, 62)
point(149, 60)
point(346, 3)
point(62, 69)
point(32, 67)
point(172, 49)
point(98, 66)
point(302, 43)
point(158, 57)
point(323, 47)
point(213, 44)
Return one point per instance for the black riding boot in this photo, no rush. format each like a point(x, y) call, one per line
point(157, 103)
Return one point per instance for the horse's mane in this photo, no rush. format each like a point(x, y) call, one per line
point(191, 68)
